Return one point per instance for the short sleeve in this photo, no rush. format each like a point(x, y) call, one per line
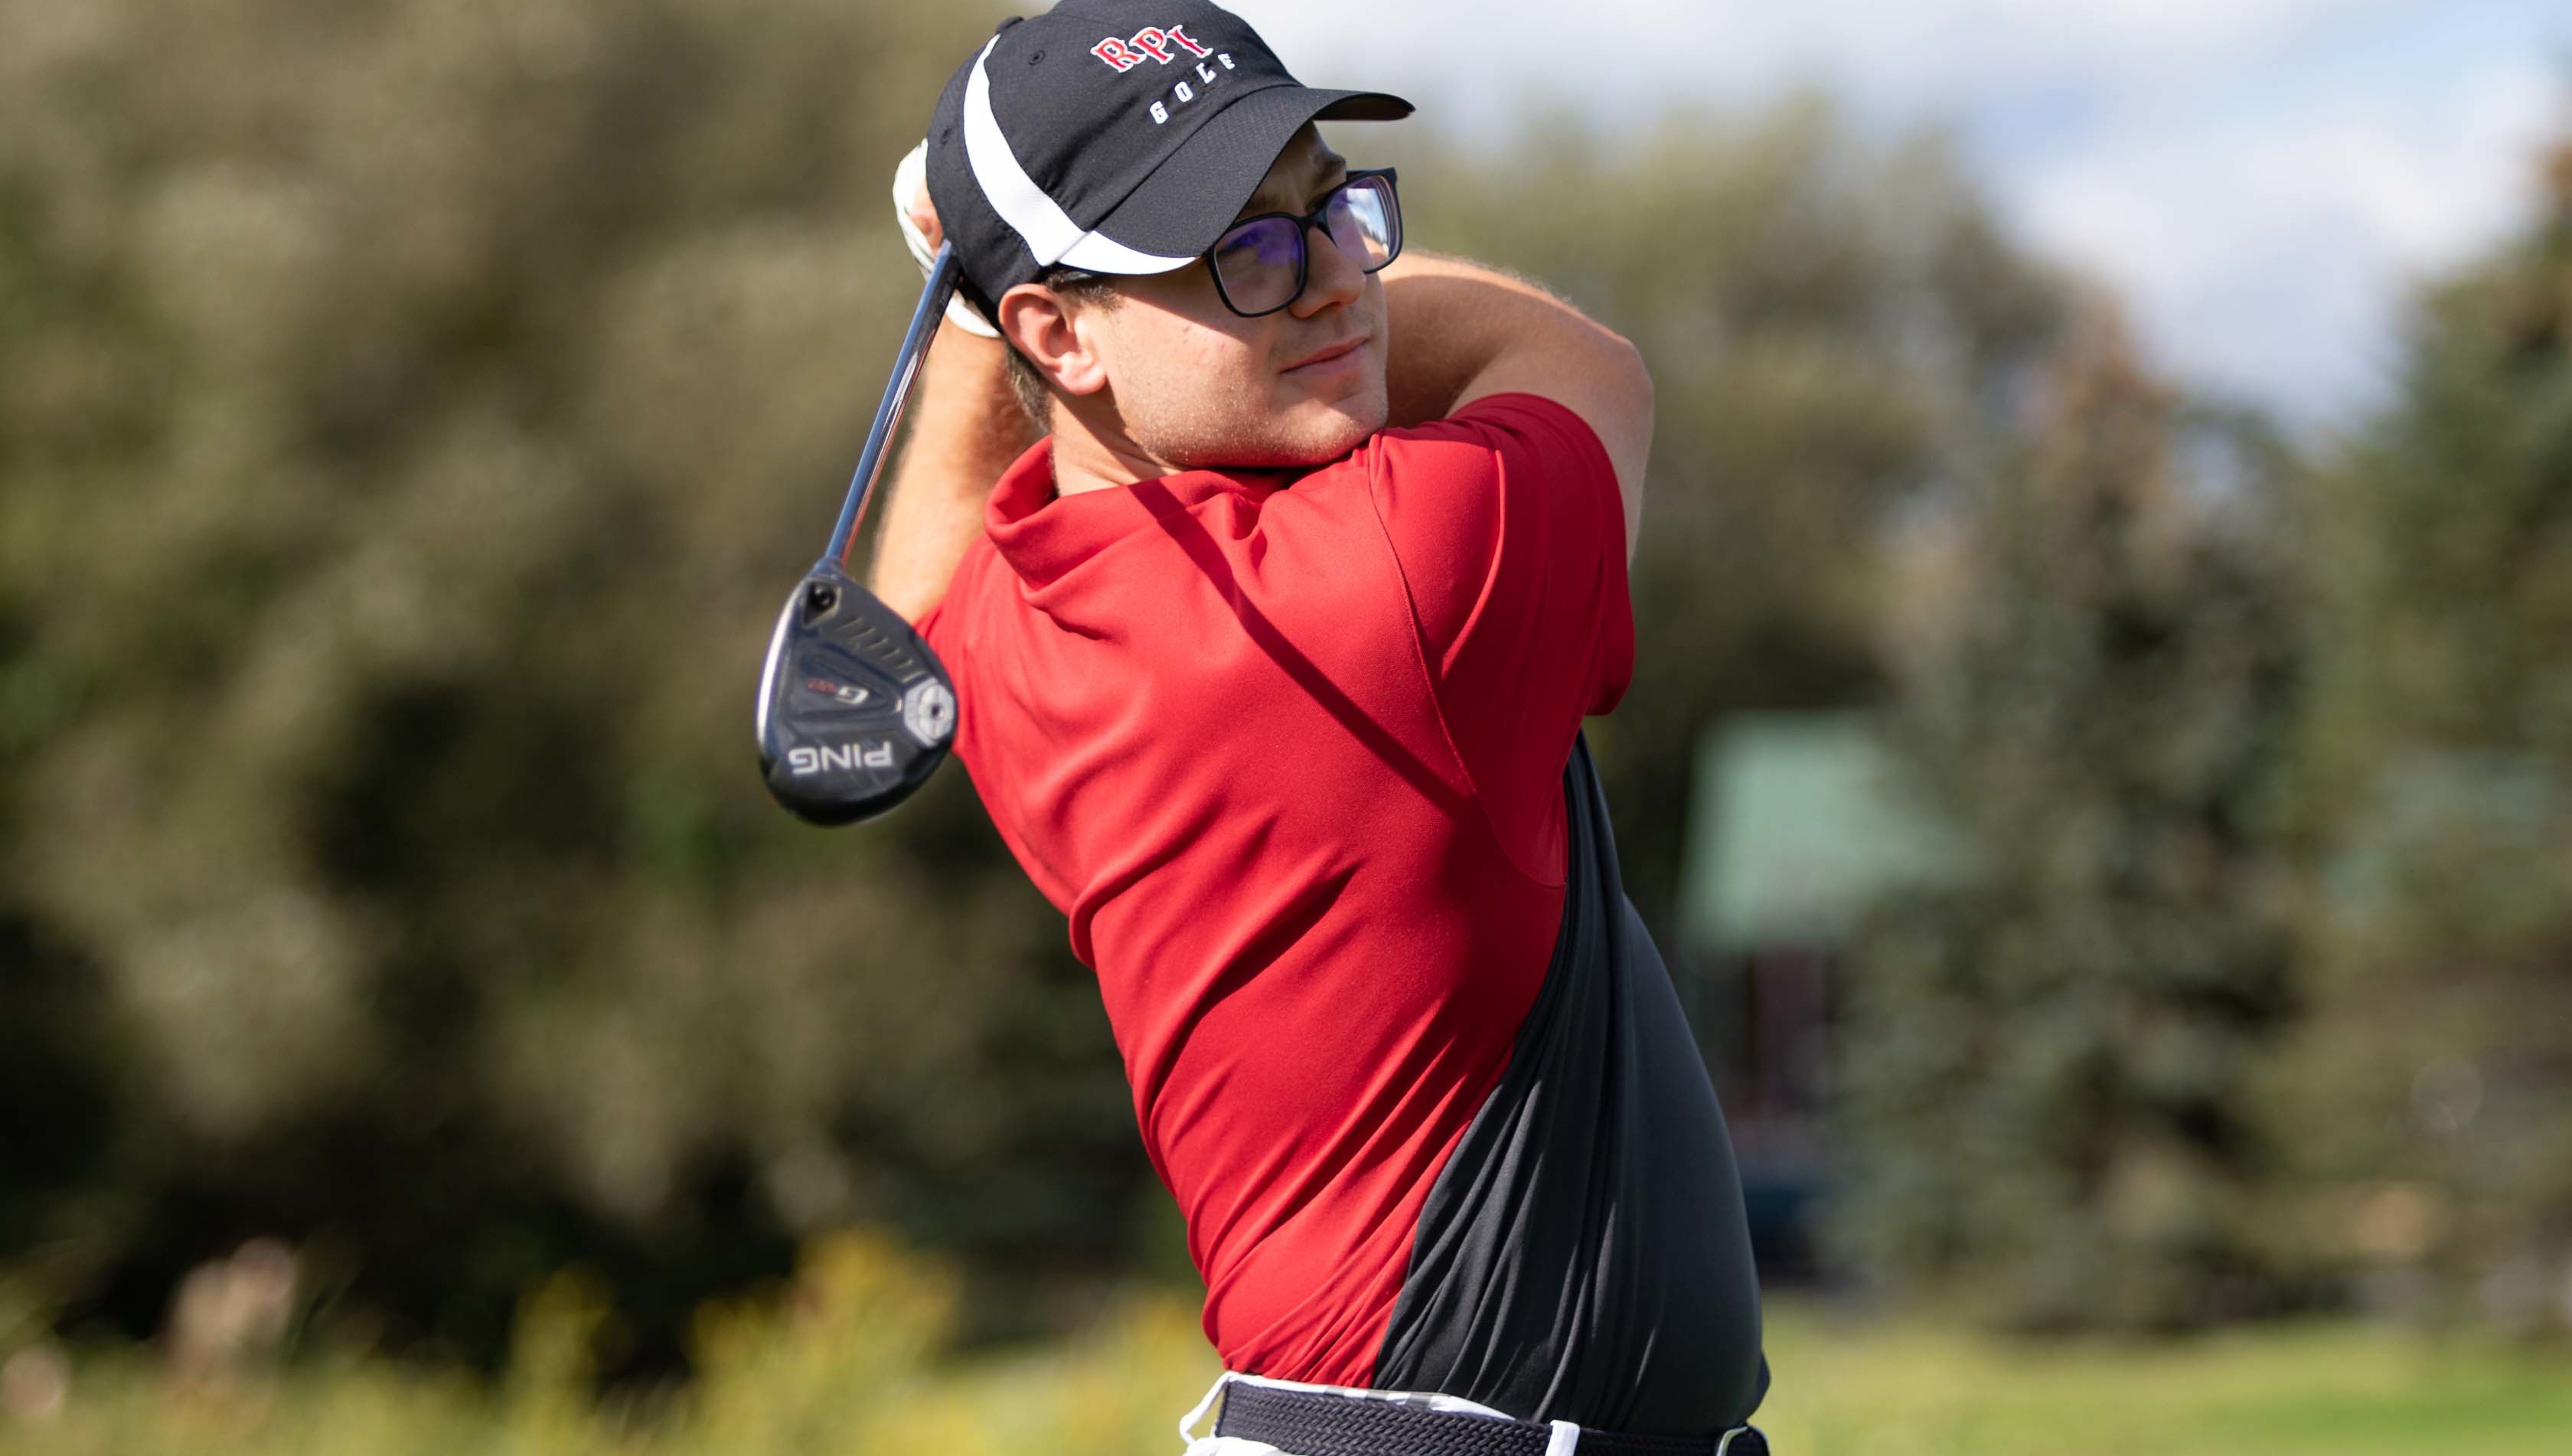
point(1510, 533)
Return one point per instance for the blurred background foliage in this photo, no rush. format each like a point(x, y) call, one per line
point(411, 413)
point(412, 409)
point(2050, 1103)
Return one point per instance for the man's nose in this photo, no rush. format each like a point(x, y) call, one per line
point(1332, 279)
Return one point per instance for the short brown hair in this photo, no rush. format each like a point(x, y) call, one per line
point(1088, 289)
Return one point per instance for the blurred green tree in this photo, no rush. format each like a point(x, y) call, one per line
point(405, 411)
point(2440, 1059)
point(2051, 1074)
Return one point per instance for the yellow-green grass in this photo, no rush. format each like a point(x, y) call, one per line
point(847, 1364)
point(1915, 1389)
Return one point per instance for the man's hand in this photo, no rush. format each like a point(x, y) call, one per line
point(966, 428)
point(1461, 332)
point(918, 216)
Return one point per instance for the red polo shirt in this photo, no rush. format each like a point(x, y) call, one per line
point(1287, 747)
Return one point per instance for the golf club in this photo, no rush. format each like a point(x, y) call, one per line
point(854, 711)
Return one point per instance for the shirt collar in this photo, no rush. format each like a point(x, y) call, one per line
point(1043, 534)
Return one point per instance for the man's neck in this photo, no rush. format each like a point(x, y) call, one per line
point(1086, 460)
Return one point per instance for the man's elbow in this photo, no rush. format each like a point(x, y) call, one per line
point(1626, 364)
point(1625, 392)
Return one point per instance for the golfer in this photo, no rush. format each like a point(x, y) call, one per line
point(1273, 654)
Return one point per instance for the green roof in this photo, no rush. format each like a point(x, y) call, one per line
point(2436, 805)
point(1797, 825)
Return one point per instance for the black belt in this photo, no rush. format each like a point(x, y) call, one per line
point(1317, 1423)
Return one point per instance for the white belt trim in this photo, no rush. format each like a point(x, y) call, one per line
point(1565, 1442)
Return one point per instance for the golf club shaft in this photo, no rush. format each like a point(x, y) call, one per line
point(943, 274)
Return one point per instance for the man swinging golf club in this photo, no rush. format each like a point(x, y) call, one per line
point(1272, 660)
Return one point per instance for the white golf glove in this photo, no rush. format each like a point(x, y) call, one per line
point(909, 180)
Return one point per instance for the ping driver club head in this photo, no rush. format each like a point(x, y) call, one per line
point(854, 711)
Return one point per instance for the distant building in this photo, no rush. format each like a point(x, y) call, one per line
point(1795, 828)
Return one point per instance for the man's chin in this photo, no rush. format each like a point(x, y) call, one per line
point(1304, 436)
point(1314, 450)
point(1324, 430)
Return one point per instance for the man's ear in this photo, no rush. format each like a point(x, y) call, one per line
point(1043, 328)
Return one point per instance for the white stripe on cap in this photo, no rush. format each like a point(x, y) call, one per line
point(1050, 232)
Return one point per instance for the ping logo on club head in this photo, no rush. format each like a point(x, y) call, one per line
point(839, 756)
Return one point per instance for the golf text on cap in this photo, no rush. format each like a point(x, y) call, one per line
point(1183, 92)
point(1152, 41)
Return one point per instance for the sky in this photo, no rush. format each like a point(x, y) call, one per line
point(2262, 181)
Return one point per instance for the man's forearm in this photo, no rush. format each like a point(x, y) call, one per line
point(1452, 319)
point(1460, 331)
point(966, 428)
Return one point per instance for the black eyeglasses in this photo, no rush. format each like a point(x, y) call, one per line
point(1261, 264)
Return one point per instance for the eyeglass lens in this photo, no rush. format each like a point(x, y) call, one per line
point(1361, 223)
point(1261, 264)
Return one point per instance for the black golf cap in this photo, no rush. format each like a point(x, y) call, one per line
point(1115, 137)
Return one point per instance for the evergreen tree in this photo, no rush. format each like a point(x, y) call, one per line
point(2437, 1078)
point(2050, 1076)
